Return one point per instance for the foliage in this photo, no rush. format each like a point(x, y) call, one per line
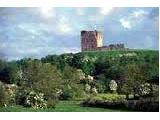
point(155, 91)
point(74, 76)
point(94, 90)
point(102, 83)
point(30, 98)
point(113, 86)
point(135, 77)
point(41, 77)
point(87, 88)
point(7, 94)
point(144, 89)
point(9, 72)
point(71, 83)
point(51, 102)
point(142, 105)
point(3, 98)
point(109, 97)
point(83, 62)
point(35, 100)
point(72, 93)
point(67, 94)
point(134, 105)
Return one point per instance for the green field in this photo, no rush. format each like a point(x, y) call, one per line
point(62, 106)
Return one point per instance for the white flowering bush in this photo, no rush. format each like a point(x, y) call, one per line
point(113, 86)
point(31, 99)
point(80, 74)
point(90, 77)
point(87, 87)
point(35, 100)
point(94, 90)
point(7, 94)
point(10, 90)
point(144, 89)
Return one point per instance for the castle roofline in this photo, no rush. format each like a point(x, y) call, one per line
point(90, 31)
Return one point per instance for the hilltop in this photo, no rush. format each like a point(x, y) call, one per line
point(87, 61)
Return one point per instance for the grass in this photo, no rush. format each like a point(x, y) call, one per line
point(62, 106)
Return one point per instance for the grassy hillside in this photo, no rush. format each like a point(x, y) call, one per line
point(116, 53)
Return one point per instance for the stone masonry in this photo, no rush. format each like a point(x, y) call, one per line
point(93, 41)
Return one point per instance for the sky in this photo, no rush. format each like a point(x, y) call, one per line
point(36, 32)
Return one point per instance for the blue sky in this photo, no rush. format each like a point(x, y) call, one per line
point(37, 32)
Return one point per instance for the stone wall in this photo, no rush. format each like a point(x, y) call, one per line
point(90, 40)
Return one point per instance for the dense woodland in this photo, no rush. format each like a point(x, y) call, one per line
point(111, 76)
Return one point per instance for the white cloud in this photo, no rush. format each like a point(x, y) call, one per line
point(64, 28)
point(31, 28)
point(80, 11)
point(105, 10)
point(126, 24)
point(133, 19)
point(47, 11)
point(139, 13)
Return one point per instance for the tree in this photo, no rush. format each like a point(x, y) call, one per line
point(4, 72)
point(42, 78)
point(71, 83)
point(84, 62)
point(101, 66)
point(135, 76)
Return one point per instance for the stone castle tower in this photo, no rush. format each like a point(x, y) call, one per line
point(91, 40)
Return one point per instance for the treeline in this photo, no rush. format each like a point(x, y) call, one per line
point(128, 68)
point(41, 83)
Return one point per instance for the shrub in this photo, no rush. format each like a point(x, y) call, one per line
point(155, 92)
point(144, 89)
point(110, 97)
point(87, 88)
point(113, 86)
point(94, 90)
point(10, 90)
point(41, 77)
point(142, 105)
point(104, 104)
point(134, 105)
point(51, 102)
point(7, 94)
point(35, 100)
point(72, 93)
point(67, 93)
point(30, 98)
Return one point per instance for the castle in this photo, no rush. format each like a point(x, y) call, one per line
point(93, 40)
